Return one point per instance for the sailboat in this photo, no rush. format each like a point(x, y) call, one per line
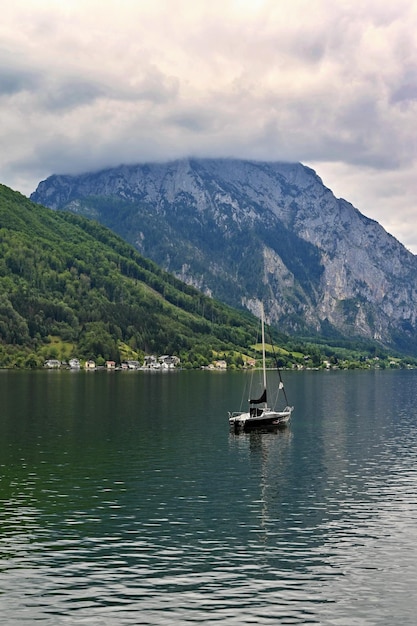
point(259, 414)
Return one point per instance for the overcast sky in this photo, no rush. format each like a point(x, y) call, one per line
point(87, 84)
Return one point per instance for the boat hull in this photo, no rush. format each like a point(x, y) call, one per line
point(249, 421)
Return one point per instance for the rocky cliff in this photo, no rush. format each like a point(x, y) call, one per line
point(249, 231)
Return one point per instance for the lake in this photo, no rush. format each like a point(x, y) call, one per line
point(125, 500)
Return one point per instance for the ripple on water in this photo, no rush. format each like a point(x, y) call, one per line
point(310, 525)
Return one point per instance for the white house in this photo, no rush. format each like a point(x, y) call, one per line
point(52, 363)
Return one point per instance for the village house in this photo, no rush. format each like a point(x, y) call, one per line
point(132, 365)
point(150, 362)
point(220, 365)
point(52, 363)
point(169, 362)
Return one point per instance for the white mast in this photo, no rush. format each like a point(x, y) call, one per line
point(263, 348)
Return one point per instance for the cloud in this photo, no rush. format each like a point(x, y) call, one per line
point(86, 85)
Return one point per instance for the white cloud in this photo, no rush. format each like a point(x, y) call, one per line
point(86, 84)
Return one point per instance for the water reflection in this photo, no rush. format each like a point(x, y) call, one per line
point(115, 514)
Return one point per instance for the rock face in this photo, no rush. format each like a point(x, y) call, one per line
point(249, 231)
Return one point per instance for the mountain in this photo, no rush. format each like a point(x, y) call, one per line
point(71, 287)
point(245, 231)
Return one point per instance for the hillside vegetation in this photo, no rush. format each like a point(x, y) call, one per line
point(70, 287)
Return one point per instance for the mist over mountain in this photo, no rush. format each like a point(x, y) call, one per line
point(246, 232)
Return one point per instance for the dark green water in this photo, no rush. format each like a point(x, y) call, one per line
point(124, 499)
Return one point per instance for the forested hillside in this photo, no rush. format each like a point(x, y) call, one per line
point(70, 287)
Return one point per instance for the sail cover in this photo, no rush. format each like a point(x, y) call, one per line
point(259, 400)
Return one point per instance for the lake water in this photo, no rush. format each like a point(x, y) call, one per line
point(125, 500)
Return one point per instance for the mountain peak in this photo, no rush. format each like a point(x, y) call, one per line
point(246, 231)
